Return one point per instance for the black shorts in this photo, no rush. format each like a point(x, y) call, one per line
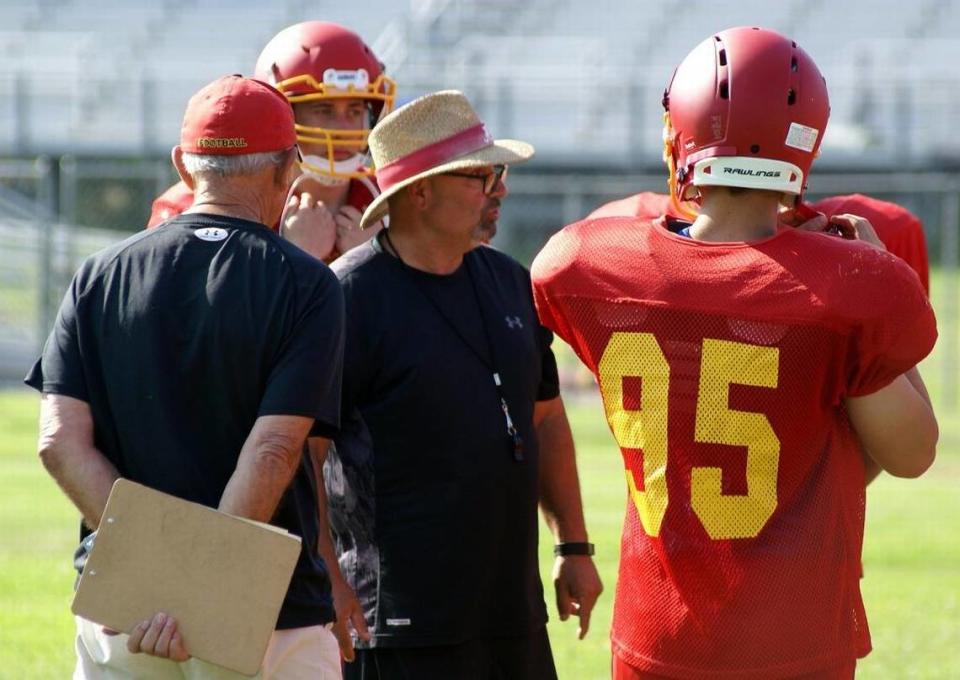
point(527, 657)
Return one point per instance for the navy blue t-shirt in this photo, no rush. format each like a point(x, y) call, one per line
point(179, 338)
point(434, 518)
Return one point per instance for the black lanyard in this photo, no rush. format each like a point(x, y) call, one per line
point(490, 365)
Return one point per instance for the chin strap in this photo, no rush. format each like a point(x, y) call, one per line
point(318, 167)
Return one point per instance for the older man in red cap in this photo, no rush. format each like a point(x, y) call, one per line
point(140, 375)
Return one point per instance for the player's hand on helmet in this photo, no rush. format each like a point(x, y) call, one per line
point(349, 616)
point(349, 234)
point(577, 585)
point(158, 637)
point(307, 223)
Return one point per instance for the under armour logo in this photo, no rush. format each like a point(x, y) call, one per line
point(513, 322)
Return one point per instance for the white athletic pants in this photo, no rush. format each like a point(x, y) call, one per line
point(309, 653)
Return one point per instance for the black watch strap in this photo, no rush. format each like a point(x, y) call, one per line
point(565, 549)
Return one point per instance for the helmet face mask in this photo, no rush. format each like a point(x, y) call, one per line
point(320, 61)
point(332, 132)
point(746, 108)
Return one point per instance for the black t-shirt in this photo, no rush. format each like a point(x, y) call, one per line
point(435, 520)
point(179, 338)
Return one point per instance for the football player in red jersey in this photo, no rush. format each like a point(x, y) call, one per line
point(338, 91)
point(744, 368)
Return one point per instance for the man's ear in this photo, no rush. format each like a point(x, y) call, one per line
point(176, 156)
point(420, 193)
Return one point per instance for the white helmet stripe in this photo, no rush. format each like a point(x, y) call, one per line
point(748, 173)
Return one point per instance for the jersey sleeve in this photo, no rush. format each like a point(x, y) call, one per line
point(897, 328)
point(914, 252)
point(305, 376)
point(549, 273)
point(59, 370)
point(549, 387)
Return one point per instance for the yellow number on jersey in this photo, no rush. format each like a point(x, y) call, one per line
point(722, 363)
point(639, 354)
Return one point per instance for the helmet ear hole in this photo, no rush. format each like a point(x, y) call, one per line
point(755, 148)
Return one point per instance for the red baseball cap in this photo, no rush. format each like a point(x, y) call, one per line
point(234, 115)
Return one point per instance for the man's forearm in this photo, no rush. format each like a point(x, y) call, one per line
point(318, 454)
point(267, 463)
point(913, 375)
point(560, 499)
point(85, 476)
point(871, 467)
point(67, 450)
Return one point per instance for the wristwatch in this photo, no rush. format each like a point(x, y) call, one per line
point(566, 549)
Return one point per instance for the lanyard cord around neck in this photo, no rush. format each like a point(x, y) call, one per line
point(512, 431)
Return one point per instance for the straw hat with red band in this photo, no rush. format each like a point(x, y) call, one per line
point(434, 134)
point(234, 115)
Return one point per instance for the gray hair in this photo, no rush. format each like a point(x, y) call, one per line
point(231, 166)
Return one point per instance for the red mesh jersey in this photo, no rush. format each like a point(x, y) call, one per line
point(900, 230)
point(723, 367)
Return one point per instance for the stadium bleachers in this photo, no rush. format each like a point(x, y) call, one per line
point(582, 80)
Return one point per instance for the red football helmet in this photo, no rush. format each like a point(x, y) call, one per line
point(320, 60)
point(746, 108)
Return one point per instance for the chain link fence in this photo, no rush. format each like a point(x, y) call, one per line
point(53, 213)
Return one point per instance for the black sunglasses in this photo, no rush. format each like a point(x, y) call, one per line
point(490, 180)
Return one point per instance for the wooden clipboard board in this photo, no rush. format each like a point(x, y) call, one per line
point(222, 577)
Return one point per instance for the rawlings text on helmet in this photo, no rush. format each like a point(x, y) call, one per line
point(752, 173)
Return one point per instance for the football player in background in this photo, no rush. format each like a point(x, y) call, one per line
point(338, 90)
point(744, 370)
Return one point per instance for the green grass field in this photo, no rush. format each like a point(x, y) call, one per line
point(911, 559)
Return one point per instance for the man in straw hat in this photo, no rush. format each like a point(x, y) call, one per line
point(195, 358)
point(454, 426)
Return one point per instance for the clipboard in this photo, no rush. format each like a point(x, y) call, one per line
point(222, 577)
